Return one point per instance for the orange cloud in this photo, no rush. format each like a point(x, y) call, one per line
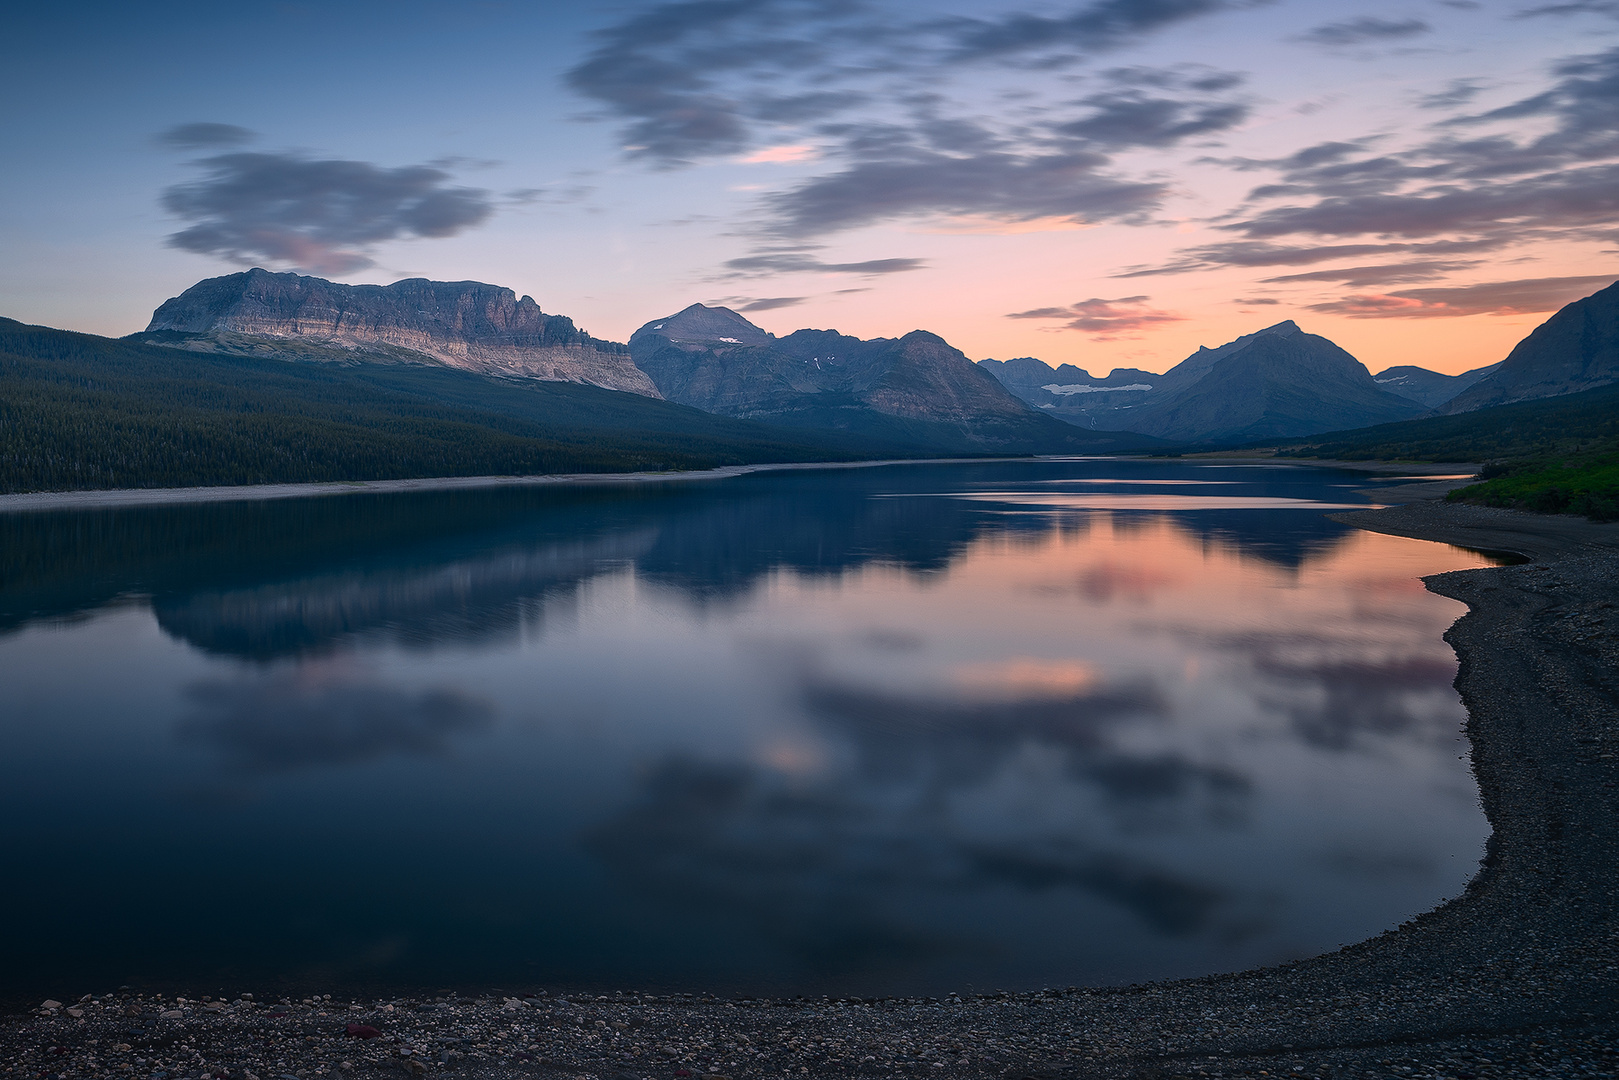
point(1527, 297)
point(1104, 319)
point(781, 155)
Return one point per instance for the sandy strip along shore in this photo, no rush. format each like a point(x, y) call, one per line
point(1518, 977)
point(126, 497)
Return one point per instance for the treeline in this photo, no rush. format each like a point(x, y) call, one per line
point(79, 412)
point(1573, 423)
point(1585, 484)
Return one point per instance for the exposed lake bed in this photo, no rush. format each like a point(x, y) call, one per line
point(1527, 946)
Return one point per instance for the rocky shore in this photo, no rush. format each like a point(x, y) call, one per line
point(1517, 977)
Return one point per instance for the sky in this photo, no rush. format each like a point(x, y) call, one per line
point(1109, 183)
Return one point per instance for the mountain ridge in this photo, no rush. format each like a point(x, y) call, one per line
point(1425, 387)
point(1278, 380)
point(916, 387)
point(468, 325)
point(1576, 349)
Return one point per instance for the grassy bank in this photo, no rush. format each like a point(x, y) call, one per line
point(1579, 484)
point(1555, 456)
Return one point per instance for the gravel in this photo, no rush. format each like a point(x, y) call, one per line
point(1518, 977)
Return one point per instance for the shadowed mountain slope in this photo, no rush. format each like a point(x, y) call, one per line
point(1067, 392)
point(1278, 381)
point(1576, 349)
point(1426, 387)
point(916, 388)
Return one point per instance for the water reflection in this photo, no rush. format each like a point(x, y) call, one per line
point(295, 719)
point(886, 730)
point(470, 557)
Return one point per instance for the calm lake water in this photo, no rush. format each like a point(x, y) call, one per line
point(909, 729)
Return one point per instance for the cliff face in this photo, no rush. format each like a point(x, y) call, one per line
point(461, 324)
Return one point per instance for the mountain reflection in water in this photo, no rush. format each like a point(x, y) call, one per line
point(906, 729)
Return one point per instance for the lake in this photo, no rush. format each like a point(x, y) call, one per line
point(907, 729)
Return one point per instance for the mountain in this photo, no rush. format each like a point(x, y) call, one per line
point(1426, 387)
point(81, 412)
point(1576, 349)
point(1068, 392)
point(916, 388)
point(459, 324)
point(1278, 382)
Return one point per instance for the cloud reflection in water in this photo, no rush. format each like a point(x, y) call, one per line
point(289, 721)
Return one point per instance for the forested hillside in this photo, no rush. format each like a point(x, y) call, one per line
point(1574, 423)
point(80, 412)
point(1553, 455)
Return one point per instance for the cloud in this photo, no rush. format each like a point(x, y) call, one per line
point(1104, 319)
point(204, 136)
point(663, 71)
point(867, 89)
point(1588, 196)
point(780, 155)
point(1364, 30)
point(1130, 119)
point(1257, 254)
point(1011, 186)
point(1575, 7)
point(1096, 27)
point(318, 215)
point(1359, 277)
point(770, 303)
point(698, 78)
point(1531, 296)
point(798, 261)
point(1560, 176)
point(1456, 92)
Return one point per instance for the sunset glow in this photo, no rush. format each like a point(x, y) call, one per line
point(1096, 182)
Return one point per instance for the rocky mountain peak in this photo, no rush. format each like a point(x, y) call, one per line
point(703, 325)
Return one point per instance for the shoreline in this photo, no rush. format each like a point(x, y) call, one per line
point(119, 498)
point(1518, 976)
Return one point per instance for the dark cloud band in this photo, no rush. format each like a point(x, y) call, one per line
point(321, 216)
point(204, 136)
